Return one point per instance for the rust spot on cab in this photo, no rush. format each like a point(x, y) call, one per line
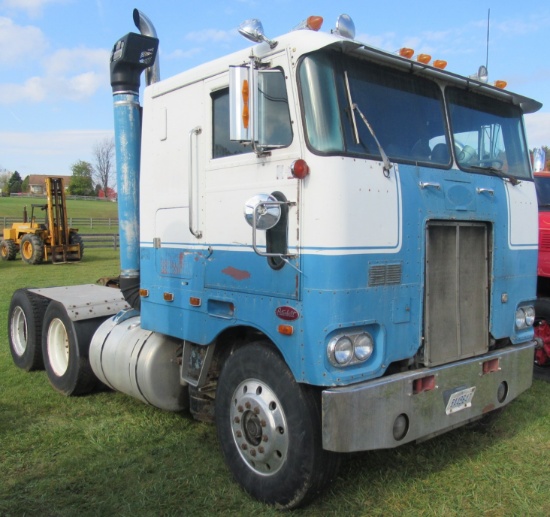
point(237, 274)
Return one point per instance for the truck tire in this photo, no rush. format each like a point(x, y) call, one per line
point(75, 238)
point(65, 345)
point(32, 249)
point(25, 329)
point(542, 333)
point(8, 249)
point(269, 429)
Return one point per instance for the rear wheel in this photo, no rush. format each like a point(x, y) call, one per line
point(75, 238)
point(269, 429)
point(65, 345)
point(32, 249)
point(8, 249)
point(25, 329)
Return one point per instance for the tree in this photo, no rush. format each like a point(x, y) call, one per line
point(5, 176)
point(81, 180)
point(15, 183)
point(25, 184)
point(103, 168)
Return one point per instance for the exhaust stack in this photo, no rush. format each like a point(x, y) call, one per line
point(131, 55)
point(146, 27)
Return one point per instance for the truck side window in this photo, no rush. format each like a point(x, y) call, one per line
point(221, 145)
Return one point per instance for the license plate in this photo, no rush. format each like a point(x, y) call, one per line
point(460, 400)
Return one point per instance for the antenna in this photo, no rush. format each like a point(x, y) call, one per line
point(487, 57)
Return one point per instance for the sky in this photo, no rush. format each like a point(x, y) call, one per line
point(55, 95)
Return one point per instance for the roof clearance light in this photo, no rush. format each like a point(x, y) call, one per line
point(312, 23)
point(406, 52)
point(424, 58)
point(501, 84)
point(299, 169)
point(440, 63)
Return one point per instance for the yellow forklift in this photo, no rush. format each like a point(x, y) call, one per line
point(51, 240)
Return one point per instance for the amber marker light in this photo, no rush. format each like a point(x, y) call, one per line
point(168, 297)
point(195, 302)
point(299, 169)
point(144, 293)
point(440, 63)
point(424, 58)
point(314, 23)
point(406, 52)
point(246, 116)
point(285, 330)
point(501, 84)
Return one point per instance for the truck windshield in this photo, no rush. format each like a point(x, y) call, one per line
point(488, 134)
point(407, 115)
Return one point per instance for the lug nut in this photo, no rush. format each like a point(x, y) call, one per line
point(263, 423)
point(265, 438)
point(239, 434)
point(247, 405)
point(261, 450)
point(240, 409)
point(237, 420)
point(256, 410)
point(253, 452)
point(244, 446)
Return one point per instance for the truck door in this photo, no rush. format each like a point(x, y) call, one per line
point(236, 175)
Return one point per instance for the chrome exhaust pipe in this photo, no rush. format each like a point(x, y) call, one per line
point(146, 27)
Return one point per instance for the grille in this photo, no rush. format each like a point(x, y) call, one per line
point(384, 274)
point(456, 309)
point(544, 240)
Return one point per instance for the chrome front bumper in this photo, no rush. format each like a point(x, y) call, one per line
point(362, 416)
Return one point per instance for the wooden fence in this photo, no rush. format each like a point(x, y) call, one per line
point(74, 222)
point(100, 240)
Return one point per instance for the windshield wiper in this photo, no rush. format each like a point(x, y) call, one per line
point(385, 160)
point(495, 172)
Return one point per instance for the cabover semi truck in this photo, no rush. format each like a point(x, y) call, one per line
point(325, 248)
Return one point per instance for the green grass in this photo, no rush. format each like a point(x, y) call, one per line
point(107, 454)
point(13, 207)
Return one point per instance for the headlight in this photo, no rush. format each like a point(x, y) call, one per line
point(344, 350)
point(529, 316)
point(363, 346)
point(520, 318)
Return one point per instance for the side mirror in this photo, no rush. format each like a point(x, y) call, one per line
point(262, 211)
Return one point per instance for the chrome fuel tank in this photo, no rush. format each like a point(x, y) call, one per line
point(139, 363)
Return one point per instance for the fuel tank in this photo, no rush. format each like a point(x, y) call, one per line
point(139, 363)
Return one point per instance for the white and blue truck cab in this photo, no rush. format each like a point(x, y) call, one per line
point(325, 248)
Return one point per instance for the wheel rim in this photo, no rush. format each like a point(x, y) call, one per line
point(58, 347)
point(26, 249)
point(259, 427)
point(542, 335)
point(18, 328)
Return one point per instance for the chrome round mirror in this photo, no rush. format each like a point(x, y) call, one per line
point(345, 26)
point(266, 208)
point(252, 30)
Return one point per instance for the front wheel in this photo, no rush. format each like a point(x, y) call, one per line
point(75, 238)
point(32, 249)
point(542, 332)
point(269, 429)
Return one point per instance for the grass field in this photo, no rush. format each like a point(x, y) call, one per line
point(13, 207)
point(106, 454)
